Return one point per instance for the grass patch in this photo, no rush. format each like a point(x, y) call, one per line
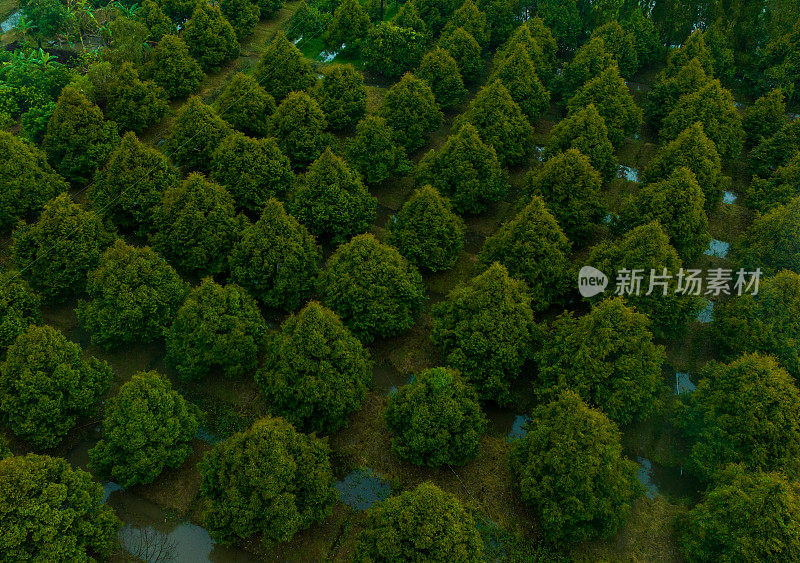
point(7, 7)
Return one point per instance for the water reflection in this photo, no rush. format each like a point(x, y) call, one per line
point(362, 488)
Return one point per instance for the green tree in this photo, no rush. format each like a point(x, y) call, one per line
point(472, 20)
point(765, 117)
point(570, 187)
point(375, 291)
point(695, 151)
point(712, 105)
point(644, 36)
point(269, 8)
point(777, 150)
point(133, 296)
point(694, 47)
point(607, 357)
point(27, 180)
point(216, 328)
point(78, 139)
point(173, 68)
point(131, 183)
point(374, 153)
point(252, 170)
point(501, 19)
point(779, 64)
point(408, 16)
point(196, 133)
point(349, 25)
point(332, 201)
point(534, 249)
point(772, 242)
point(486, 330)
point(276, 258)
point(410, 109)
point(47, 17)
point(391, 50)
point(426, 231)
point(570, 468)
point(245, 105)
point(586, 131)
point(46, 385)
point(440, 71)
point(19, 308)
point(195, 225)
point(780, 188)
point(677, 203)
point(518, 73)
point(647, 248)
point(466, 170)
point(299, 127)
point(565, 21)
point(743, 412)
point(535, 39)
point(466, 51)
point(133, 104)
point(269, 480)
point(283, 69)
point(342, 95)
point(745, 516)
point(178, 10)
point(392, 530)
point(147, 428)
point(52, 511)
point(242, 16)
point(610, 95)
point(589, 62)
point(620, 43)
point(436, 419)
point(210, 37)
point(500, 123)
point(151, 14)
point(316, 372)
point(56, 253)
point(668, 90)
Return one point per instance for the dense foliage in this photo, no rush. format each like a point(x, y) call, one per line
point(19, 307)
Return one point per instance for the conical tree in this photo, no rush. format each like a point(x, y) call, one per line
point(173, 68)
point(571, 469)
point(245, 105)
point(195, 225)
point(58, 251)
point(441, 73)
point(133, 104)
point(27, 180)
point(342, 96)
point(314, 350)
point(779, 189)
point(374, 153)
point(589, 61)
point(435, 420)
point(408, 17)
point(517, 72)
point(610, 95)
point(391, 50)
point(375, 291)
point(332, 201)
point(210, 37)
point(283, 69)
point(644, 35)
point(661, 99)
point(411, 111)
point(486, 330)
point(586, 131)
point(694, 150)
point(570, 187)
point(466, 170)
point(775, 151)
point(217, 329)
point(131, 183)
point(196, 133)
point(534, 249)
point(130, 452)
point(242, 15)
point(252, 170)
point(713, 106)
point(466, 51)
point(78, 139)
point(276, 259)
point(153, 17)
point(19, 308)
point(426, 231)
point(472, 20)
point(349, 25)
point(299, 127)
point(621, 44)
point(647, 248)
point(500, 123)
point(677, 203)
point(694, 47)
point(765, 117)
point(772, 243)
point(537, 41)
point(608, 357)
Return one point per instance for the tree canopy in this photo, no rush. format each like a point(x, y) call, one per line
point(584, 130)
point(283, 69)
point(196, 132)
point(210, 36)
point(374, 152)
point(173, 68)
point(19, 307)
point(298, 126)
point(441, 73)
point(245, 105)
point(772, 242)
point(342, 95)
point(391, 50)
point(410, 109)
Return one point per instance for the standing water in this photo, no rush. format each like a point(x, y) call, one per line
point(10, 22)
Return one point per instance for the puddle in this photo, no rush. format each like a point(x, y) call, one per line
point(668, 482)
point(328, 56)
point(298, 40)
point(717, 248)
point(628, 173)
point(707, 314)
point(362, 488)
point(109, 488)
point(683, 383)
point(609, 218)
point(537, 152)
point(206, 436)
point(645, 476)
point(729, 197)
point(518, 428)
point(10, 22)
point(738, 105)
point(793, 116)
